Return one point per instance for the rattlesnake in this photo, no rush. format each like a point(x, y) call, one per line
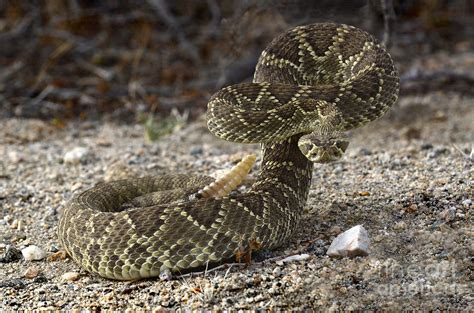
point(311, 85)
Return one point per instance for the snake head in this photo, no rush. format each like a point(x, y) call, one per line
point(324, 148)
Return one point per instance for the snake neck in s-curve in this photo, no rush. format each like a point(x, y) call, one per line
point(285, 176)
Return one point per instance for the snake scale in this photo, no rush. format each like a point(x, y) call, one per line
point(311, 85)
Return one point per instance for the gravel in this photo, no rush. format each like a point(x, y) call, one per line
point(413, 194)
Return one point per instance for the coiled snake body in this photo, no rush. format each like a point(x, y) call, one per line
point(311, 84)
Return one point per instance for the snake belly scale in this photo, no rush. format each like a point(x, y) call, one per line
point(311, 83)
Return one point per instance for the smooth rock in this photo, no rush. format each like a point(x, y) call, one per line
point(31, 272)
point(353, 242)
point(16, 157)
point(70, 276)
point(33, 253)
point(277, 271)
point(76, 186)
point(12, 254)
point(293, 258)
point(76, 155)
point(165, 275)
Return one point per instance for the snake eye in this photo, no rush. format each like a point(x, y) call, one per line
point(309, 150)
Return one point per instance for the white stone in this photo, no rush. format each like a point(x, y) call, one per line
point(296, 257)
point(16, 157)
point(277, 271)
point(70, 276)
point(353, 242)
point(76, 155)
point(33, 253)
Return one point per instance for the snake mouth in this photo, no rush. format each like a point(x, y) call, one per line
point(324, 153)
point(328, 156)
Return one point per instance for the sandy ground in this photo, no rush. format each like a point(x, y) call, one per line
point(407, 178)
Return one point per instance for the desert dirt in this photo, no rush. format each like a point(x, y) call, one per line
point(407, 178)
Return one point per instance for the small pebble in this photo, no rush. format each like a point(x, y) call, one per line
point(277, 271)
point(16, 157)
point(8, 218)
point(412, 208)
point(437, 152)
point(335, 230)
point(70, 276)
point(76, 155)
point(385, 158)
point(31, 272)
point(108, 296)
point(338, 169)
point(59, 255)
point(400, 225)
point(293, 258)
point(76, 186)
point(33, 253)
point(448, 214)
point(165, 275)
point(16, 224)
point(52, 211)
point(12, 254)
point(103, 142)
point(426, 146)
point(196, 151)
point(364, 151)
point(467, 203)
point(351, 243)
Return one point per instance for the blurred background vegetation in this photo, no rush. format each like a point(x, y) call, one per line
point(125, 60)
